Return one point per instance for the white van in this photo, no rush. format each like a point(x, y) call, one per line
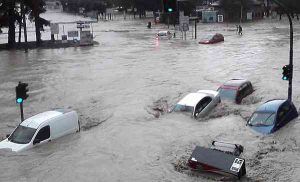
point(42, 128)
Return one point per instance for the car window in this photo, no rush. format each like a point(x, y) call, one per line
point(250, 87)
point(283, 112)
point(162, 34)
point(227, 93)
point(43, 134)
point(202, 104)
point(183, 108)
point(22, 135)
point(262, 119)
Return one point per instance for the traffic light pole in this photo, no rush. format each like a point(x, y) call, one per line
point(291, 59)
point(21, 109)
point(291, 50)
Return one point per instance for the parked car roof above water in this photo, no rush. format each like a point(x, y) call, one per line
point(209, 92)
point(235, 90)
point(272, 115)
point(192, 99)
point(270, 106)
point(235, 82)
point(37, 120)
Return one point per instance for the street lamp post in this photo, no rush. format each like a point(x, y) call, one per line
point(291, 49)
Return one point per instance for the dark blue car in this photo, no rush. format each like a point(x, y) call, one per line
point(272, 115)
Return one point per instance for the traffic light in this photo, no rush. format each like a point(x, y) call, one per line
point(170, 5)
point(21, 92)
point(286, 72)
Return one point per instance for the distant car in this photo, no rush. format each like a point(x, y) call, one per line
point(215, 39)
point(235, 90)
point(272, 115)
point(198, 104)
point(42, 128)
point(164, 35)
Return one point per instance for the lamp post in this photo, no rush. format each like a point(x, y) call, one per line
point(291, 49)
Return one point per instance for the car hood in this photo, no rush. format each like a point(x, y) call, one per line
point(5, 144)
point(263, 129)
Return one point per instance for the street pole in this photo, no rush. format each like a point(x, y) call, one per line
point(22, 114)
point(195, 29)
point(291, 59)
point(168, 20)
point(291, 50)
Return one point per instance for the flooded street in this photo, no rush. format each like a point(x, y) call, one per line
point(116, 85)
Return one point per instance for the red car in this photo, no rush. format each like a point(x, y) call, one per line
point(235, 90)
point(215, 39)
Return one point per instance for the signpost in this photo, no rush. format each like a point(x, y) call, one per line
point(72, 34)
point(184, 24)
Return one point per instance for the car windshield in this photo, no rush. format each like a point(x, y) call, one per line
point(262, 119)
point(183, 108)
point(227, 93)
point(162, 34)
point(22, 135)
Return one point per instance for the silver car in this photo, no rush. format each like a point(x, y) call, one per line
point(199, 104)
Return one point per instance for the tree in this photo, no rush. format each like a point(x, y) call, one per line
point(8, 17)
point(234, 8)
point(37, 7)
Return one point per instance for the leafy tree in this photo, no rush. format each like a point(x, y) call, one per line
point(37, 7)
point(8, 16)
point(233, 8)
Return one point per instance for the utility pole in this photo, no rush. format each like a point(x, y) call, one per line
point(291, 50)
point(241, 13)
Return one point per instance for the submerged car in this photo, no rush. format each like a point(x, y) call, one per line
point(272, 115)
point(42, 128)
point(215, 39)
point(198, 104)
point(164, 35)
point(235, 90)
point(221, 158)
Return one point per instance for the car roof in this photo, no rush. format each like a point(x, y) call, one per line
point(209, 92)
point(164, 32)
point(270, 106)
point(36, 120)
point(235, 82)
point(192, 99)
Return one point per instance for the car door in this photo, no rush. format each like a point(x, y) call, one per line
point(240, 94)
point(201, 107)
point(282, 115)
point(42, 136)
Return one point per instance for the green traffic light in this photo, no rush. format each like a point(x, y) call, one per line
point(285, 78)
point(19, 100)
point(170, 10)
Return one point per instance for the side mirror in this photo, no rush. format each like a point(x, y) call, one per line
point(7, 135)
point(36, 141)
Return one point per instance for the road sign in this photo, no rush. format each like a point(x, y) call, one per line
point(184, 23)
point(73, 34)
point(185, 27)
point(83, 26)
point(54, 28)
point(109, 11)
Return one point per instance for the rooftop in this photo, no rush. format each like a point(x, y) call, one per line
point(192, 99)
point(36, 120)
point(235, 82)
point(270, 106)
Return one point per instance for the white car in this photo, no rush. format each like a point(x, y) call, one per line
point(42, 128)
point(164, 35)
point(199, 104)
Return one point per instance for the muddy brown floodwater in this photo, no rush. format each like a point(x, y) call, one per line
point(122, 89)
